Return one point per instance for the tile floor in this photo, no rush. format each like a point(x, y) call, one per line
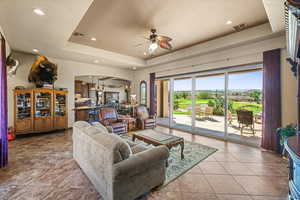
point(41, 167)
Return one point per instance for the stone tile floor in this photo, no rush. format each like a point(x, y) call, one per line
point(41, 167)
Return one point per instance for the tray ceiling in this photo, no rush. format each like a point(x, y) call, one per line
point(120, 26)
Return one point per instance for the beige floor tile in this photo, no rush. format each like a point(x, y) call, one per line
point(212, 168)
point(194, 183)
point(236, 168)
point(165, 196)
point(198, 196)
point(268, 198)
point(263, 185)
point(233, 197)
point(225, 184)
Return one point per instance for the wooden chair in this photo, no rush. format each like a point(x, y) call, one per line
point(245, 119)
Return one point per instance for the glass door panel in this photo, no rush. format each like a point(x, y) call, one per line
point(60, 105)
point(42, 104)
point(23, 105)
point(210, 104)
point(245, 106)
point(182, 103)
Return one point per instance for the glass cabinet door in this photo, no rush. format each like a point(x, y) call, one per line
point(60, 105)
point(23, 105)
point(42, 104)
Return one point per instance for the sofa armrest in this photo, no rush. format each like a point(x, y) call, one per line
point(141, 162)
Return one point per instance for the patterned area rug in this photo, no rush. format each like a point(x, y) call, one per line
point(194, 153)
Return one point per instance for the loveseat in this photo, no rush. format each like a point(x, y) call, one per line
point(119, 169)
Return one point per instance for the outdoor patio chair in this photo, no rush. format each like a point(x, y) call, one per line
point(245, 119)
point(209, 111)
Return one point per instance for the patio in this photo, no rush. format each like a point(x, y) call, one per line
point(214, 126)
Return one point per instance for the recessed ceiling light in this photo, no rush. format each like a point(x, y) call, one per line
point(39, 12)
point(229, 22)
point(35, 50)
point(96, 61)
point(93, 39)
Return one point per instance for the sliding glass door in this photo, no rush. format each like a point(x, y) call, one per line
point(182, 103)
point(245, 105)
point(210, 104)
point(225, 103)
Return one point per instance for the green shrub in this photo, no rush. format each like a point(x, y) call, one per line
point(204, 95)
point(211, 103)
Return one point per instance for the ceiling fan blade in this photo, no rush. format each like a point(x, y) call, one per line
point(165, 45)
point(163, 38)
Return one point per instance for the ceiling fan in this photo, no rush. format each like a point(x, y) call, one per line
point(158, 41)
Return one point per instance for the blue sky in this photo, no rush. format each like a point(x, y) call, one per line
point(243, 81)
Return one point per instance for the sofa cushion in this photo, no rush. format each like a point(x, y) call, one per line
point(115, 144)
point(92, 130)
point(100, 127)
point(138, 148)
point(122, 150)
point(81, 124)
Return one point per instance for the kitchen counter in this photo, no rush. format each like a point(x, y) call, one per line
point(86, 113)
point(87, 108)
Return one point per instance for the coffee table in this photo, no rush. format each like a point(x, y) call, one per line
point(157, 138)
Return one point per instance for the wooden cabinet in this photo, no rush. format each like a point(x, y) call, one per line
point(82, 115)
point(60, 120)
point(82, 88)
point(43, 124)
point(78, 86)
point(40, 110)
point(85, 91)
point(23, 111)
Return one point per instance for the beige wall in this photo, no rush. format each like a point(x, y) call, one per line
point(288, 92)
point(234, 56)
point(67, 70)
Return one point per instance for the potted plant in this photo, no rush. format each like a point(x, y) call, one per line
point(284, 133)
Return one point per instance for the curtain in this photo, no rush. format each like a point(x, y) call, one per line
point(152, 94)
point(3, 105)
point(272, 100)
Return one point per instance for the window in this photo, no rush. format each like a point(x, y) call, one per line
point(143, 93)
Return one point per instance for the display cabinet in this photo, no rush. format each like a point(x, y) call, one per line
point(40, 110)
point(23, 109)
point(60, 109)
point(43, 99)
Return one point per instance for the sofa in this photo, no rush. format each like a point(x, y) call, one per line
point(109, 118)
point(119, 169)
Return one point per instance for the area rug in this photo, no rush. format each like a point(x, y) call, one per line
point(194, 153)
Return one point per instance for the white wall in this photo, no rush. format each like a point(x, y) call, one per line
point(8, 50)
point(67, 70)
point(235, 56)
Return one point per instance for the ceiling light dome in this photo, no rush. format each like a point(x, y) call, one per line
point(152, 47)
point(38, 11)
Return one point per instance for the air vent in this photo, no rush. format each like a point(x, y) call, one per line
point(240, 27)
point(77, 34)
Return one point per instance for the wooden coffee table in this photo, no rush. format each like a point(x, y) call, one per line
point(157, 138)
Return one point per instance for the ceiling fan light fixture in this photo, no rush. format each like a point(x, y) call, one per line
point(229, 22)
point(152, 47)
